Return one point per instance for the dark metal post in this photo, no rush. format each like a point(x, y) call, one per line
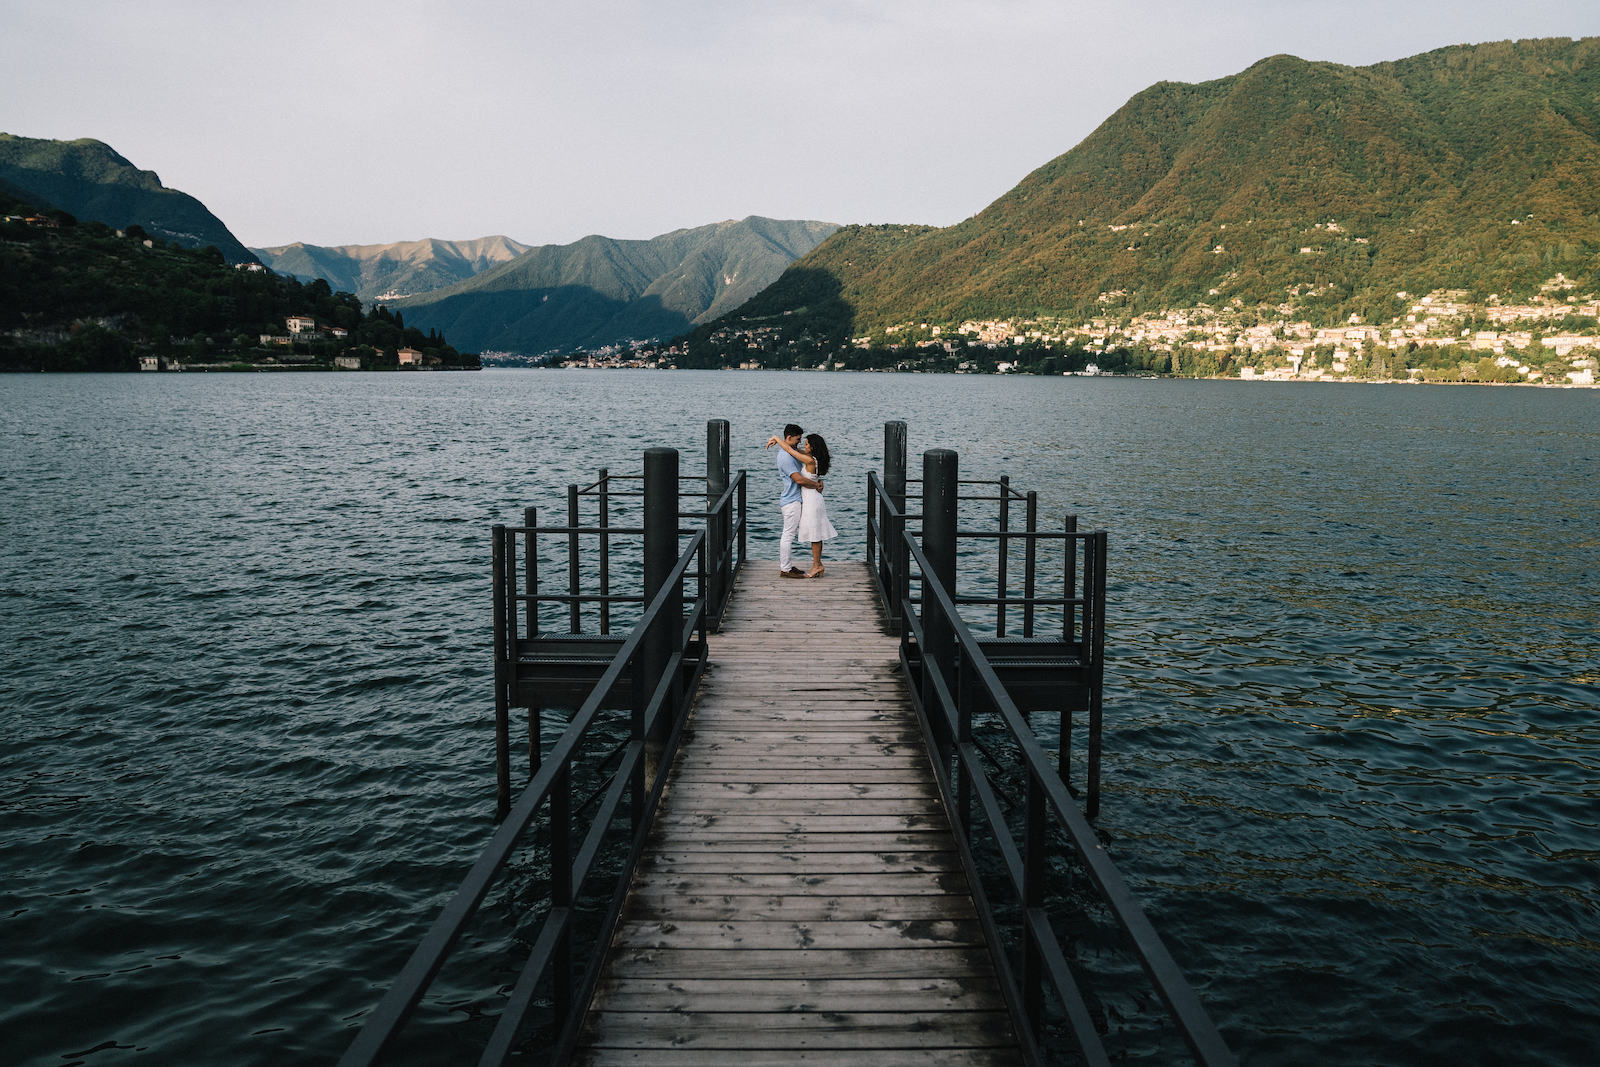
point(660, 556)
point(502, 705)
point(1077, 621)
point(1005, 544)
point(940, 488)
point(892, 560)
point(605, 552)
point(717, 529)
point(743, 524)
point(574, 623)
point(1095, 593)
point(1029, 561)
point(1071, 590)
point(530, 550)
point(530, 519)
point(873, 559)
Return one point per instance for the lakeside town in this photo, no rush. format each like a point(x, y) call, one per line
point(312, 344)
point(1552, 339)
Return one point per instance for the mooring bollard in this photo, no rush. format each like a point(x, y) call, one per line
point(660, 556)
point(892, 552)
point(940, 487)
point(717, 528)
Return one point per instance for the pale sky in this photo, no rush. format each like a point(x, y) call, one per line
point(359, 122)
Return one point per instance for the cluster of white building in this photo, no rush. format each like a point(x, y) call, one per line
point(303, 328)
point(1430, 321)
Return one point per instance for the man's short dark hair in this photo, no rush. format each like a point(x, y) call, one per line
point(792, 430)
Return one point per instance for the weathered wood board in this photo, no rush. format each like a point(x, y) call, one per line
point(802, 899)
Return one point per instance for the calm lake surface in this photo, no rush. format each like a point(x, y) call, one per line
point(1353, 745)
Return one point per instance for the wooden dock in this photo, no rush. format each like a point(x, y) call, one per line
point(801, 899)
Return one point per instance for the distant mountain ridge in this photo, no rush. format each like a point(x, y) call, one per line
point(1473, 167)
point(387, 272)
point(88, 179)
point(599, 291)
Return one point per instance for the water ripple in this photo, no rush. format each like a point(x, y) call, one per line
point(1351, 742)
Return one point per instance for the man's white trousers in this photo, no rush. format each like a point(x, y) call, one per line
point(791, 529)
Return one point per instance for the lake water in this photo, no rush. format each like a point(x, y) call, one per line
point(1352, 731)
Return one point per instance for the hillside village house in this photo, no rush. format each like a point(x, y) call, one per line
point(410, 357)
point(303, 327)
point(1564, 343)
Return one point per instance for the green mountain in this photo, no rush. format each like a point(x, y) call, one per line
point(92, 182)
point(78, 295)
point(390, 271)
point(1328, 187)
point(598, 291)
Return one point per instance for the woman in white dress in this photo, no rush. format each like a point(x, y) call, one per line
point(814, 524)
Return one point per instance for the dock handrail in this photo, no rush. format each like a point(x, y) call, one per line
point(725, 519)
point(549, 792)
point(1082, 601)
point(965, 690)
point(886, 518)
point(726, 525)
point(520, 592)
point(949, 673)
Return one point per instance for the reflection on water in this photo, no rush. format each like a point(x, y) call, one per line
point(1350, 710)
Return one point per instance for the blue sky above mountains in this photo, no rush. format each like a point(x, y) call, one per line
point(352, 121)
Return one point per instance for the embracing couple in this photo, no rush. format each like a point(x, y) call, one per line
point(802, 460)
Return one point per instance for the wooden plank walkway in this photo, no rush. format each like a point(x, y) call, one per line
point(801, 899)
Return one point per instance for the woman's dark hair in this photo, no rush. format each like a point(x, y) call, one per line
point(819, 452)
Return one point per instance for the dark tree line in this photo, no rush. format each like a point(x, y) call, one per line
point(79, 296)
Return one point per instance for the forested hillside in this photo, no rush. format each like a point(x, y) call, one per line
point(79, 296)
point(92, 182)
point(1327, 188)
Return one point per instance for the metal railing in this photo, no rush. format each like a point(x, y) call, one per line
point(1031, 537)
point(724, 520)
point(662, 658)
point(1081, 604)
point(954, 685)
point(568, 627)
point(887, 519)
